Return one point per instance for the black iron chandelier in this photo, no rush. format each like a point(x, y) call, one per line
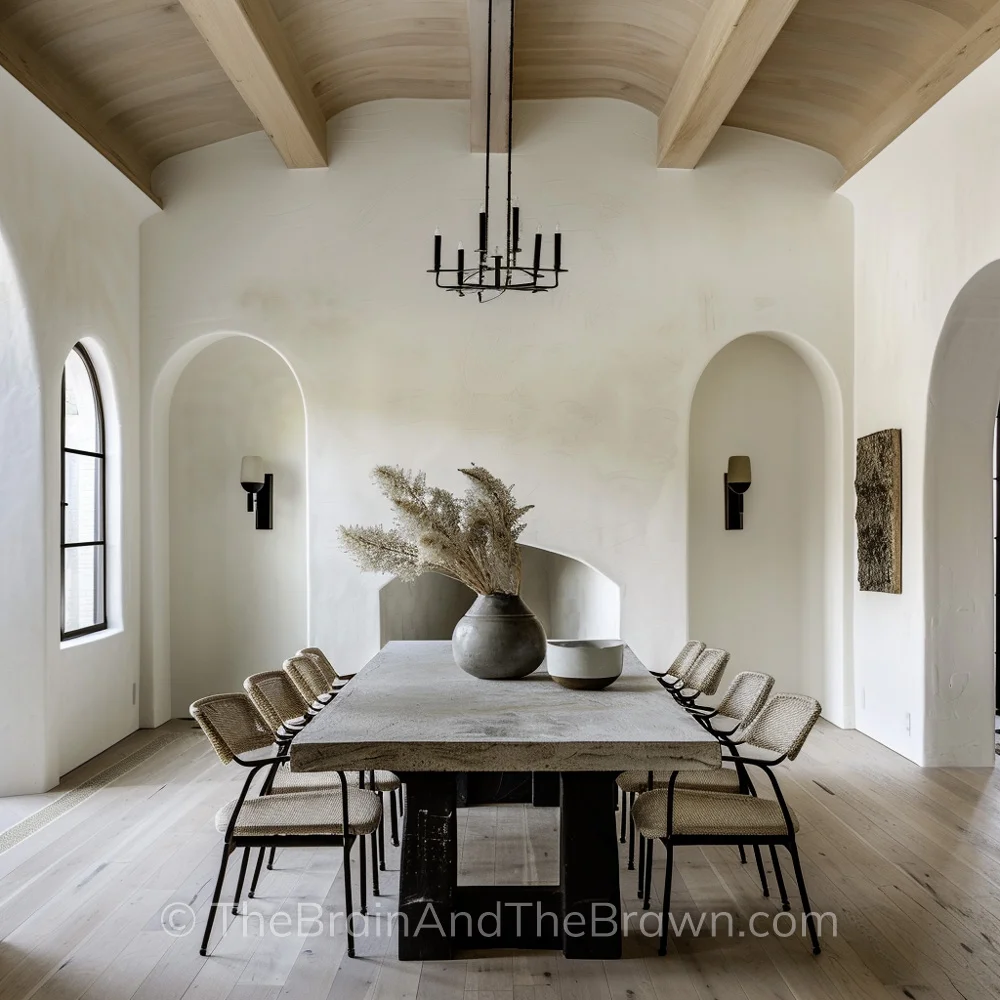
point(490, 275)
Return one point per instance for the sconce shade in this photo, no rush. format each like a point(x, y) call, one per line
point(252, 473)
point(738, 474)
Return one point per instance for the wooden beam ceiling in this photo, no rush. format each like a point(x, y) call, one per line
point(248, 42)
point(980, 41)
point(479, 48)
point(83, 116)
point(732, 41)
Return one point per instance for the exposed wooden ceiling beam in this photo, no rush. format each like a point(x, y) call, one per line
point(733, 39)
point(974, 47)
point(248, 42)
point(479, 23)
point(63, 98)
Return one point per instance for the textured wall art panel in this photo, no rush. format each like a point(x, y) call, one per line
point(879, 486)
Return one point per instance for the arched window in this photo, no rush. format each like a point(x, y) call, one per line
point(84, 556)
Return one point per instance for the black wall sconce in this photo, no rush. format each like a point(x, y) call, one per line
point(737, 482)
point(258, 486)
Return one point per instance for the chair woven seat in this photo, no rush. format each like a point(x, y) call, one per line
point(303, 814)
point(723, 779)
point(385, 781)
point(709, 814)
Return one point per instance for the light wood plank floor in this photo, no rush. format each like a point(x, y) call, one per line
point(908, 860)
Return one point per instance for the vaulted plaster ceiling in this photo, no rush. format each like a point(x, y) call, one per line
point(143, 80)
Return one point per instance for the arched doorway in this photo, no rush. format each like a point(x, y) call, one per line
point(238, 596)
point(763, 592)
point(959, 582)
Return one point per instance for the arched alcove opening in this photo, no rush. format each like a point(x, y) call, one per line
point(958, 530)
point(571, 598)
point(238, 596)
point(761, 592)
point(24, 762)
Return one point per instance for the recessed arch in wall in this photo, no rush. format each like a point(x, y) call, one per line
point(958, 529)
point(772, 594)
point(572, 599)
point(248, 399)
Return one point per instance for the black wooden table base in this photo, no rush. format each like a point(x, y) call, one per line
point(582, 915)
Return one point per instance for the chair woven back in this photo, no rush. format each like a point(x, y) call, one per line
point(707, 671)
point(232, 724)
point(685, 659)
point(305, 674)
point(275, 697)
point(745, 696)
point(783, 724)
point(320, 658)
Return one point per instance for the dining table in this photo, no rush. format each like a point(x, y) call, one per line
point(412, 711)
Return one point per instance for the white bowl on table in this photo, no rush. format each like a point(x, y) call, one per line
point(584, 664)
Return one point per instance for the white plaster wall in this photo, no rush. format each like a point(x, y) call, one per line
point(927, 219)
point(759, 592)
point(237, 595)
point(70, 222)
point(580, 397)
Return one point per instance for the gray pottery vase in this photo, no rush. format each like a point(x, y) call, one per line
point(498, 639)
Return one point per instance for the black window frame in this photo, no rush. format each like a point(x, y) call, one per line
point(102, 544)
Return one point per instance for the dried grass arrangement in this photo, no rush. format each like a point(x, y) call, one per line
point(472, 538)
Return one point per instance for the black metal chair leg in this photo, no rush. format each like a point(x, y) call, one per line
point(785, 905)
point(394, 824)
point(226, 851)
point(631, 833)
point(624, 818)
point(348, 896)
point(641, 881)
point(381, 833)
point(256, 872)
point(743, 855)
point(761, 872)
point(806, 908)
point(648, 889)
point(375, 861)
point(239, 881)
point(665, 922)
point(270, 860)
point(364, 877)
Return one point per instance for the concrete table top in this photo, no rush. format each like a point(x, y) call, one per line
point(412, 709)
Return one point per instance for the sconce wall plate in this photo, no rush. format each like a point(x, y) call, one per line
point(263, 505)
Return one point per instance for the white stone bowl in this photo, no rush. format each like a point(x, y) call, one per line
point(584, 664)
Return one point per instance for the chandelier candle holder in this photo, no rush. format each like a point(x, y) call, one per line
point(490, 275)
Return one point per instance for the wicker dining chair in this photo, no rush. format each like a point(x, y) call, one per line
point(335, 676)
point(678, 817)
point(743, 700)
point(683, 662)
point(309, 680)
point(278, 701)
point(305, 819)
point(703, 678)
point(275, 696)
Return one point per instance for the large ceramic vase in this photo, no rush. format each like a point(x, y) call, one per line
point(499, 639)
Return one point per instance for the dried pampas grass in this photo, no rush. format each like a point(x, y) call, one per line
point(472, 538)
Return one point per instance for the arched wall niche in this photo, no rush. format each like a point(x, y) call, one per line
point(26, 750)
point(224, 600)
point(959, 676)
point(773, 594)
point(572, 599)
